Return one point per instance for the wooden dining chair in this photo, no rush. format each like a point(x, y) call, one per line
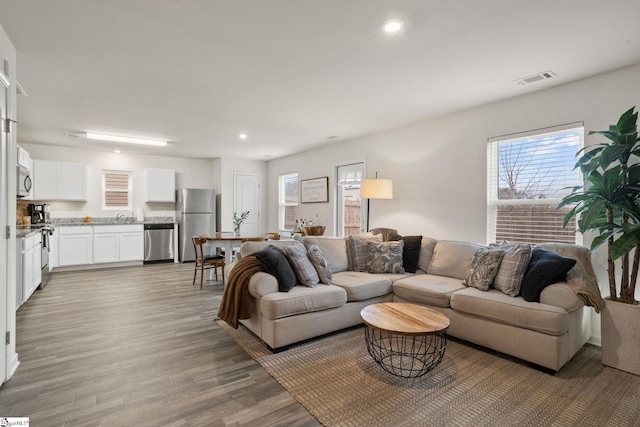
point(205, 262)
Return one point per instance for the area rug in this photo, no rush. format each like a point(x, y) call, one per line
point(336, 380)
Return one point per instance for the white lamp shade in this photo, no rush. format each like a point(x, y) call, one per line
point(376, 189)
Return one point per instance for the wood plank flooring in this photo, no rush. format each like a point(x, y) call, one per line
point(137, 346)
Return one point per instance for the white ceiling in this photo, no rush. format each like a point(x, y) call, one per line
point(290, 73)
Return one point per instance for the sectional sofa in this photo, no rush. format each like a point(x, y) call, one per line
point(546, 333)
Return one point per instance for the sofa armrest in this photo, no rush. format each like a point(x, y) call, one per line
point(262, 284)
point(560, 295)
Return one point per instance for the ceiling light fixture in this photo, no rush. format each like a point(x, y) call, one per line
point(392, 26)
point(243, 136)
point(114, 138)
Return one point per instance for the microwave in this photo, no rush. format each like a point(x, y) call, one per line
point(24, 182)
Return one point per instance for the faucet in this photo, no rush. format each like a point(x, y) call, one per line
point(119, 217)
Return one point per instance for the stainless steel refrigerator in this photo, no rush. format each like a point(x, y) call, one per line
point(196, 215)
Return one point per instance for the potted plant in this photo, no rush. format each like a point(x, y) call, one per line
point(608, 204)
point(238, 220)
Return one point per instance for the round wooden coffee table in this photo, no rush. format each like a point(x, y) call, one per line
point(406, 340)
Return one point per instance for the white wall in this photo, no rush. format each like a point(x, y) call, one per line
point(8, 156)
point(439, 166)
point(190, 173)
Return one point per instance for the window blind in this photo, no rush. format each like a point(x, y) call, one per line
point(528, 176)
point(116, 189)
point(288, 201)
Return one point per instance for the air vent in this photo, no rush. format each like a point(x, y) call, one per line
point(536, 78)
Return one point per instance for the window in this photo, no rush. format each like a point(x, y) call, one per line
point(116, 190)
point(528, 176)
point(287, 201)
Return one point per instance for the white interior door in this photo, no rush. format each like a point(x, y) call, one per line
point(4, 203)
point(247, 198)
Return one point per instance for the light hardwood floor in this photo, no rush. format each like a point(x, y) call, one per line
point(137, 346)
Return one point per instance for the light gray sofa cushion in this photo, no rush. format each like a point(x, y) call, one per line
point(254, 246)
point(302, 299)
point(426, 253)
point(512, 268)
point(497, 306)
point(320, 263)
point(358, 250)
point(427, 289)
point(334, 250)
point(452, 259)
point(362, 286)
point(305, 271)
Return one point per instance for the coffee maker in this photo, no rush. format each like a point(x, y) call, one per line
point(39, 213)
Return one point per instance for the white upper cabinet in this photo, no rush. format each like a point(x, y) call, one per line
point(160, 185)
point(59, 180)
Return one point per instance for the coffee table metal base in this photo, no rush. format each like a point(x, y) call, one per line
point(403, 355)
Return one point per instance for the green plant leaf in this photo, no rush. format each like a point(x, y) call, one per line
point(624, 244)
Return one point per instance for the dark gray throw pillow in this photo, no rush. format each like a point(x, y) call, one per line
point(276, 263)
point(545, 268)
point(410, 252)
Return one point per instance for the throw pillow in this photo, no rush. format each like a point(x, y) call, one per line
point(411, 251)
point(385, 257)
point(358, 250)
point(305, 271)
point(484, 266)
point(320, 263)
point(545, 268)
point(512, 268)
point(276, 263)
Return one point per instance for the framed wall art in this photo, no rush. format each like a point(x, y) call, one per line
point(314, 190)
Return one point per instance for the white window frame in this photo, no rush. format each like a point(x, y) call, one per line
point(493, 182)
point(128, 190)
point(283, 203)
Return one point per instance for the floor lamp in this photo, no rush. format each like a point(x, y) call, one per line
point(375, 189)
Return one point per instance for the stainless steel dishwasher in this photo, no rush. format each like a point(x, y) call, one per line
point(158, 243)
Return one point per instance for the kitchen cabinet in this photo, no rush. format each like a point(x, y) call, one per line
point(160, 185)
point(75, 245)
point(59, 180)
point(116, 243)
point(29, 272)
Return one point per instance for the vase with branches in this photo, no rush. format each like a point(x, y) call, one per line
point(238, 220)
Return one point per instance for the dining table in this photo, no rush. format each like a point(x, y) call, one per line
point(230, 240)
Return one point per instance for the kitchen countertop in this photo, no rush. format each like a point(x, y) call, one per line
point(64, 222)
point(22, 232)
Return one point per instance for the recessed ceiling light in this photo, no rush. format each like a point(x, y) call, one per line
point(243, 136)
point(392, 26)
point(114, 138)
point(116, 151)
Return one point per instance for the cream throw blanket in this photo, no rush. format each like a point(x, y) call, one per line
point(581, 278)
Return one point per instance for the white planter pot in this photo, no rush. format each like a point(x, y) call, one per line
point(621, 336)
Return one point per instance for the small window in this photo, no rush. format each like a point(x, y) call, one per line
point(116, 190)
point(287, 201)
point(528, 176)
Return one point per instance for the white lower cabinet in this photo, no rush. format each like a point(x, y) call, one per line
point(114, 243)
point(28, 270)
point(75, 245)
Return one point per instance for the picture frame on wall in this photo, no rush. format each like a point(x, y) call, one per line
point(315, 190)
